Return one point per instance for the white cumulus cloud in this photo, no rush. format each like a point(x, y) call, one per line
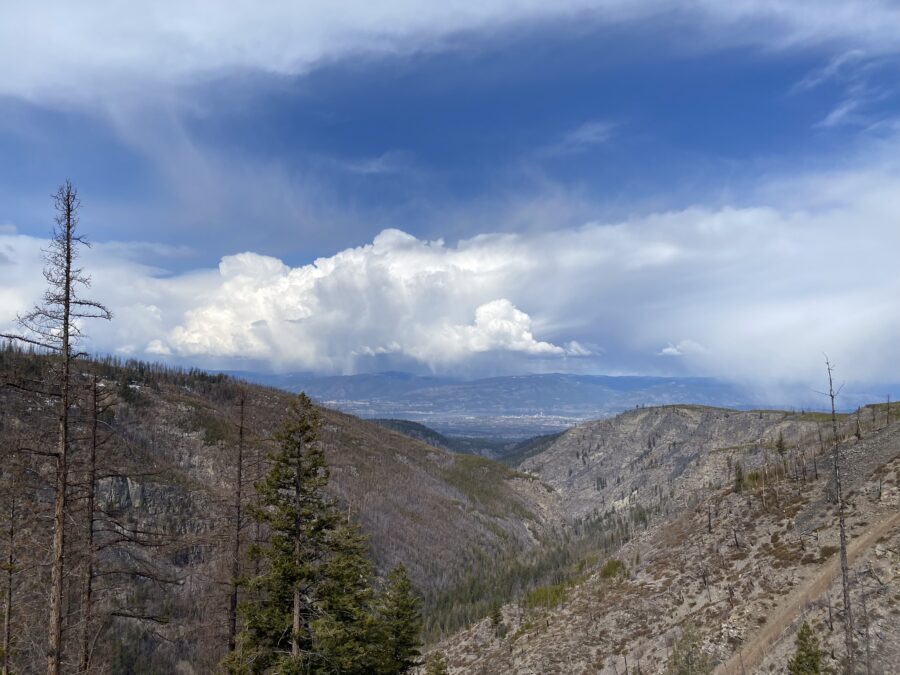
point(498, 326)
point(754, 292)
point(684, 347)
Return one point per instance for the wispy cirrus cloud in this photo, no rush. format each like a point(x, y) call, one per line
point(582, 138)
point(835, 68)
point(390, 162)
point(864, 80)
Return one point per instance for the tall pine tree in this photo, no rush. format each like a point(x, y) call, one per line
point(311, 611)
point(400, 612)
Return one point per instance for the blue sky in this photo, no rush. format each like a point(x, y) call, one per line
point(495, 131)
point(400, 140)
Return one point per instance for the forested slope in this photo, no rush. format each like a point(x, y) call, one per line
point(165, 503)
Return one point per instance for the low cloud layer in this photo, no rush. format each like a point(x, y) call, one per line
point(752, 293)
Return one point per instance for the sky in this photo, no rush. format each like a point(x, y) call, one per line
point(470, 188)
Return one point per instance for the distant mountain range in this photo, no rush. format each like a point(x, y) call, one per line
point(511, 407)
point(516, 407)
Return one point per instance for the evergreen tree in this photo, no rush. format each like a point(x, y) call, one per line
point(739, 478)
point(437, 665)
point(309, 611)
point(780, 446)
point(497, 619)
point(808, 657)
point(346, 633)
point(400, 611)
point(781, 449)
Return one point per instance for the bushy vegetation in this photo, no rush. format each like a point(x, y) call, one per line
point(545, 596)
point(612, 568)
point(807, 659)
point(436, 664)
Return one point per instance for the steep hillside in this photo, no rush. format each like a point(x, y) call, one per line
point(417, 431)
point(169, 470)
point(660, 457)
point(431, 509)
point(743, 563)
point(608, 541)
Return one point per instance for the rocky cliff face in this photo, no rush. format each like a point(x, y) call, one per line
point(661, 457)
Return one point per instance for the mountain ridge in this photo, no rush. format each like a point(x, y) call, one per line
point(714, 548)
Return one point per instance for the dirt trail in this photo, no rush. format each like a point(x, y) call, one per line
point(791, 608)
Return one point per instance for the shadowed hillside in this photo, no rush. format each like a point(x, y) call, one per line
point(169, 467)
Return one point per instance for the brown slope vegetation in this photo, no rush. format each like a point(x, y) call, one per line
point(732, 564)
point(431, 509)
point(168, 473)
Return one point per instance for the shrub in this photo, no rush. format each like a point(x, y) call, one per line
point(612, 568)
point(808, 657)
point(545, 596)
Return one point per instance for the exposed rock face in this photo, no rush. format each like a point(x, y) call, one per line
point(660, 456)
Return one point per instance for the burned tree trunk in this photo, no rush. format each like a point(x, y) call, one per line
point(9, 565)
point(236, 545)
point(54, 326)
point(87, 592)
point(862, 590)
point(839, 495)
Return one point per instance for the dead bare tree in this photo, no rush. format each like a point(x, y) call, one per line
point(862, 590)
point(9, 566)
point(54, 326)
point(839, 496)
point(235, 580)
point(100, 403)
point(9, 570)
point(25, 537)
